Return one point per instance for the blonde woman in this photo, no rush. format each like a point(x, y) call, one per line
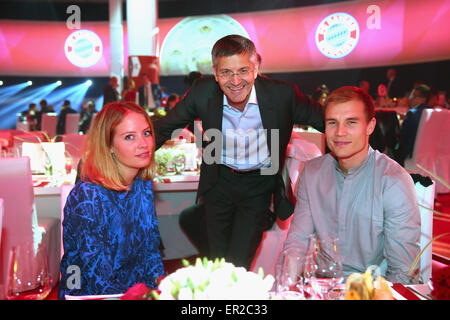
point(130, 91)
point(111, 237)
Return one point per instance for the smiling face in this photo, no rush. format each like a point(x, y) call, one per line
point(236, 75)
point(132, 145)
point(347, 132)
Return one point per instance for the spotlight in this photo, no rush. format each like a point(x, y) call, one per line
point(89, 82)
point(1, 82)
point(58, 83)
point(29, 83)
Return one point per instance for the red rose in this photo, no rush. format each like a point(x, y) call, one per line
point(137, 292)
point(441, 284)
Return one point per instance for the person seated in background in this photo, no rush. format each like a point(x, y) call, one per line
point(418, 100)
point(61, 122)
point(358, 195)
point(320, 94)
point(130, 92)
point(86, 116)
point(30, 116)
point(44, 108)
point(110, 227)
point(110, 93)
point(150, 94)
point(172, 100)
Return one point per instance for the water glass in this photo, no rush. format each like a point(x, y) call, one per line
point(290, 281)
point(326, 267)
point(28, 277)
point(179, 163)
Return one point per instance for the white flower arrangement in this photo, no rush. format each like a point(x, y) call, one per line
point(218, 280)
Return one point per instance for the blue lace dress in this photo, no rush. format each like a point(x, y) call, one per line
point(111, 240)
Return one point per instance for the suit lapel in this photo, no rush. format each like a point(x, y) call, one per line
point(215, 110)
point(266, 108)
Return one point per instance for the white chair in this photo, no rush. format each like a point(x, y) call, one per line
point(65, 190)
point(431, 148)
point(72, 123)
point(48, 123)
point(425, 198)
point(318, 138)
point(1, 220)
point(74, 144)
point(298, 152)
point(20, 223)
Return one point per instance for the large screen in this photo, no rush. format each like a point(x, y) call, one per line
point(351, 34)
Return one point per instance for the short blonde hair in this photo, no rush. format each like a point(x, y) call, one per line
point(99, 166)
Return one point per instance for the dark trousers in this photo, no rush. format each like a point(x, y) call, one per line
point(235, 215)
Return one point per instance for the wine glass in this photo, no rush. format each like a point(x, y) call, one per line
point(290, 281)
point(28, 277)
point(179, 163)
point(68, 165)
point(326, 271)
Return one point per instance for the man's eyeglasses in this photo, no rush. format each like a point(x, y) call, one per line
point(241, 73)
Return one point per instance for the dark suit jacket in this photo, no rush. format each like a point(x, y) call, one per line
point(109, 94)
point(61, 123)
point(281, 105)
point(157, 95)
point(408, 132)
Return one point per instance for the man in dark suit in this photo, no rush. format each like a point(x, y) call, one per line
point(150, 94)
point(61, 124)
point(394, 86)
point(408, 130)
point(247, 121)
point(110, 93)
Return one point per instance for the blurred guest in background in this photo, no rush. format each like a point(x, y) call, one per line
point(61, 123)
point(110, 227)
point(394, 86)
point(43, 109)
point(418, 100)
point(130, 93)
point(191, 77)
point(150, 94)
point(110, 93)
point(86, 116)
point(172, 100)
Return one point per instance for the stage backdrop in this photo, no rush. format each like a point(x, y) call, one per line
point(354, 34)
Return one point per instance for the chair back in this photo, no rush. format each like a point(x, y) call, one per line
point(20, 220)
point(72, 123)
point(48, 123)
point(425, 198)
point(1, 220)
point(318, 138)
point(65, 190)
point(74, 144)
point(431, 150)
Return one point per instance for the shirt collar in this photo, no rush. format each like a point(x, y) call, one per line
point(251, 100)
point(355, 170)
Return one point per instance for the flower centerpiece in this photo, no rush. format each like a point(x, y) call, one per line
point(367, 286)
point(167, 160)
point(208, 280)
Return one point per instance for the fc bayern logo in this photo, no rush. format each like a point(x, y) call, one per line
point(83, 48)
point(337, 35)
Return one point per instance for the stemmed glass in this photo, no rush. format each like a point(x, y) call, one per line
point(290, 282)
point(326, 266)
point(28, 277)
point(179, 163)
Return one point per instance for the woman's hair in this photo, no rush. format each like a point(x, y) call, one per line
point(99, 166)
point(349, 93)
